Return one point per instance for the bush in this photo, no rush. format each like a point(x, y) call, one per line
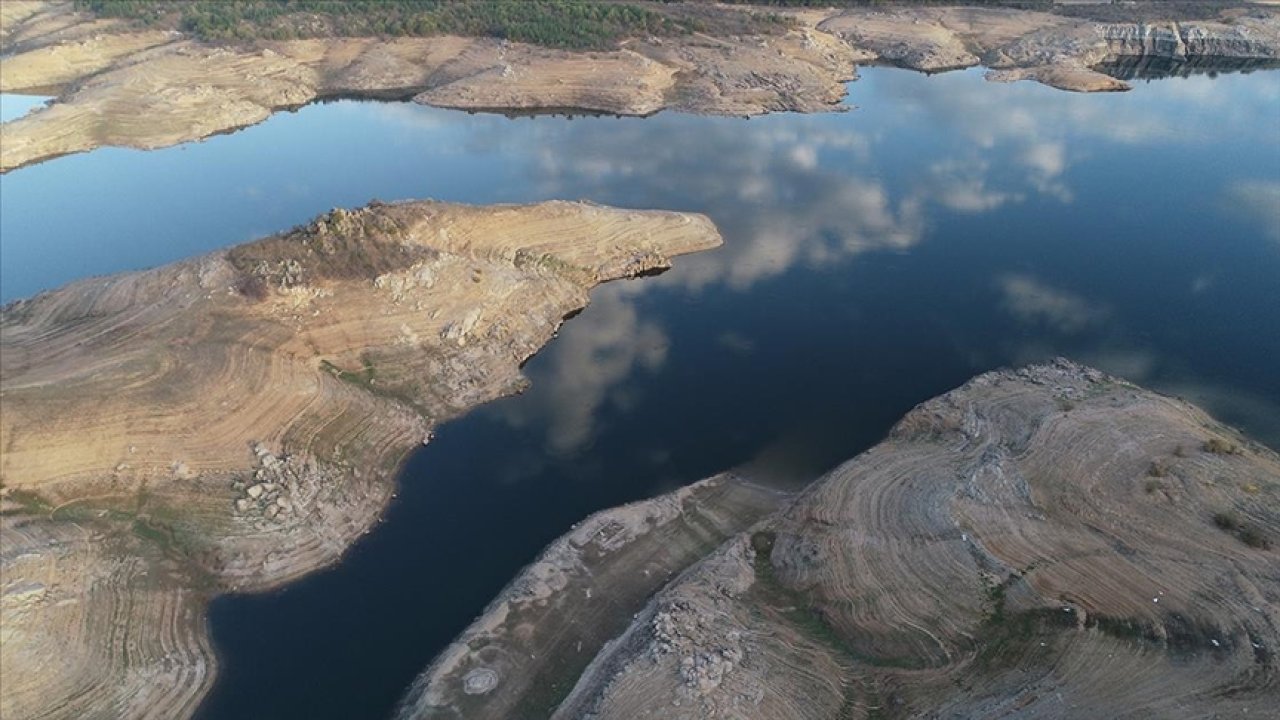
point(573, 24)
point(1226, 521)
point(1254, 538)
point(1218, 446)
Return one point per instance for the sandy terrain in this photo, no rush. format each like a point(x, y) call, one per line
point(234, 421)
point(1048, 542)
point(117, 86)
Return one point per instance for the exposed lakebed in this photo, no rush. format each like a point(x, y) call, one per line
point(873, 259)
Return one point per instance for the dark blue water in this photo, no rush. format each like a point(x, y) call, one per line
point(873, 259)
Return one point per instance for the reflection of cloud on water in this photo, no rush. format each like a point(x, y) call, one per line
point(782, 194)
point(963, 186)
point(1164, 110)
point(1032, 301)
point(1258, 200)
point(817, 191)
point(589, 365)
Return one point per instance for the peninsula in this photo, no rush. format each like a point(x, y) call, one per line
point(234, 421)
point(1043, 542)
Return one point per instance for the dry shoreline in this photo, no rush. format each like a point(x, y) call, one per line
point(235, 421)
point(150, 89)
point(1042, 542)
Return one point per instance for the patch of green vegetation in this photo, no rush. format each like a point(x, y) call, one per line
point(1122, 628)
point(1218, 446)
point(795, 607)
point(889, 3)
point(1226, 520)
point(1009, 639)
point(28, 502)
point(1245, 532)
point(1254, 537)
point(573, 24)
point(152, 533)
point(362, 378)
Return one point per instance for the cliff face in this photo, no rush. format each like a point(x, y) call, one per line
point(1247, 39)
point(234, 421)
point(1048, 542)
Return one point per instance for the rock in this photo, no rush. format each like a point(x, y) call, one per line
point(480, 681)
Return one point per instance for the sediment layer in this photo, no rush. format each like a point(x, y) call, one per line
point(1046, 542)
point(147, 89)
point(234, 421)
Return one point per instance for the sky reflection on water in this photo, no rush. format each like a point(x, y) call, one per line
point(873, 259)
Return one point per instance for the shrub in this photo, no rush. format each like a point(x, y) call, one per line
point(1226, 521)
point(1254, 537)
point(1218, 446)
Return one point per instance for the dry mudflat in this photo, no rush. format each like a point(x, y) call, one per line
point(231, 422)
point(117, 85)
point(1039, 543)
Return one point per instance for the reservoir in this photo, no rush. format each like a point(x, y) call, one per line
point(942, 227)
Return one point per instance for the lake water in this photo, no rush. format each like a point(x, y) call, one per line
point(873, 259)
point(14, 106)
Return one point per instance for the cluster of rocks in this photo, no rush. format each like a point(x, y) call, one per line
point(268, 493)
point(703, 666)
point(703, 671)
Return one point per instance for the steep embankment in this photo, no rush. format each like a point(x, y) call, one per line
point(120, 86)
point(234, 421)
point(1049, 542)
point(580, 593)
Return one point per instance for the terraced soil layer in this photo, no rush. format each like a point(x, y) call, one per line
point(232, 422)
point(1045, 542)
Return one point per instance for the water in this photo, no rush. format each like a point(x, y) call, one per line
point(14, 106)
point(873, 259)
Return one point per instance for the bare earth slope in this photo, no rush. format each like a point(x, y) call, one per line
point(579, 594)
point(1043, 543)
point(148, 89)
point(236, 420)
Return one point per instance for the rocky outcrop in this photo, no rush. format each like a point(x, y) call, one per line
point(1046, 542)
point(580, 593)
point(1057, 50)
point(237, 420)
point(119, 86)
